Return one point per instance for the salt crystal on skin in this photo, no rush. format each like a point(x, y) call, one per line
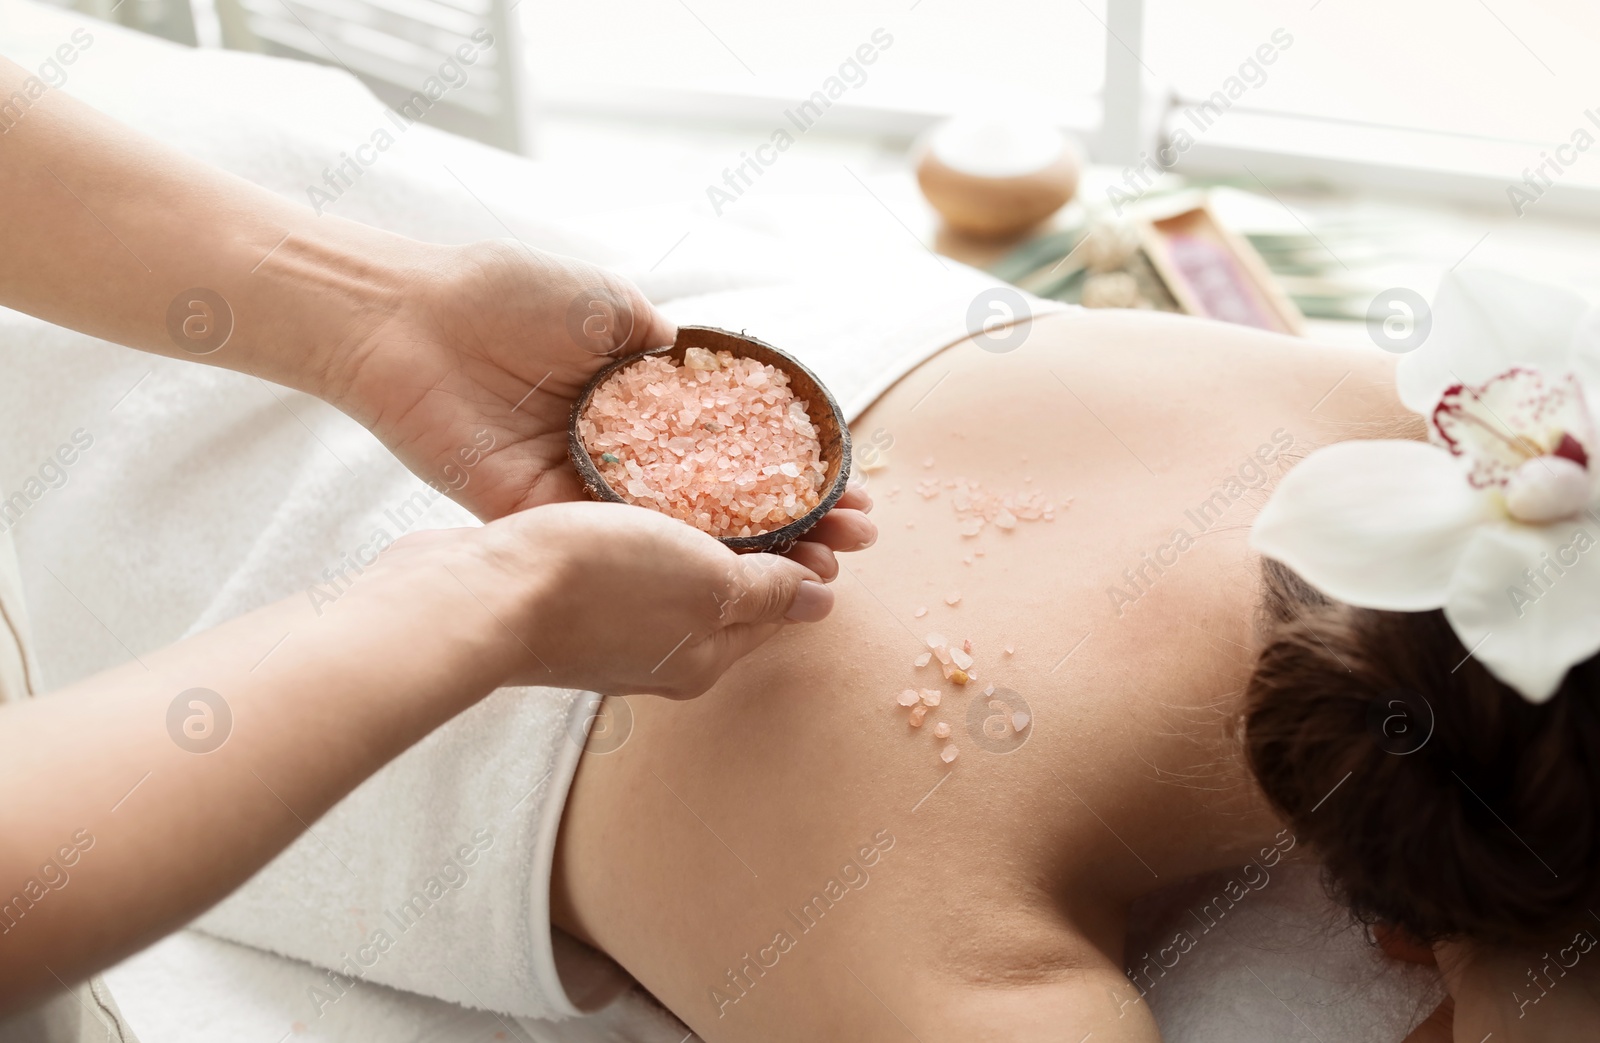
point(935, 640)
point(908, 698)
point(989, 690)
point(722, 444)
point(1019, 720)
point(922, 660)
point(1010, 650)
point(966, 644)
point(928, 462)
point(942, 730)
point(930, 697)
point(917, 715)
point(952, 599)
point(920, 612)
point(961, 659)
point(948, 754)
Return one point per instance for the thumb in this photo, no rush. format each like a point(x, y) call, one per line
point(648, 328)
point(766, 588)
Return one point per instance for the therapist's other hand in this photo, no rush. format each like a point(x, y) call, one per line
point(618, 599)
point(470, 378)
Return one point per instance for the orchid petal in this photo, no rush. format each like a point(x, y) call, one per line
point(1512, 418)
point(1484, 323)
point(1526, 602)
point(1378, 524)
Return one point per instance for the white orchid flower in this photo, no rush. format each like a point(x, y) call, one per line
point(1494, 518)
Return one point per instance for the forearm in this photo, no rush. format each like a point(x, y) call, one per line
point(106, 229)
point(158, 829)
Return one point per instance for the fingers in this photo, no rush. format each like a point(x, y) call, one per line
point(651, 329)
point(818, 557)
point(811, 603)
point(844, 530)
point(855, 498)
point(768, 589)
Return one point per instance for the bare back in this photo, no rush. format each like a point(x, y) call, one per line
point(785, 859)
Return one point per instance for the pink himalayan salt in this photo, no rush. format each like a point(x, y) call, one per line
point(921, 611)
point(720, 442)
point(918, 713)
point(1019, 720)
point(949, 753)
point(989, 690)
point(975, 507)
point(1010, 650)
point(941, 730)
point(966, 644)
point(922, 660)
point(961, 660)
point(953, 598)
point(908, 698)
point(930, 696)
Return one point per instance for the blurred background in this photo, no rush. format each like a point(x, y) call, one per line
point(1289, 164)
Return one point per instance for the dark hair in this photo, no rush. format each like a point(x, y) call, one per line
point(1441, 802)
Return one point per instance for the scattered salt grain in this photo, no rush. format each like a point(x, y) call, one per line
point(921, 611)
point(1010, 650)
point(908, 698)
point(1019, 720)
point(922, 660)
point(952, 599)
point(928, 462)
point(942, 730)
point(960, 659)
point(930, 696)
point(966, 644)
point(918, 714)
point(948, 754)
point(989, 690)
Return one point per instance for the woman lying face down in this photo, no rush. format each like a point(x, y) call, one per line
point(792, 857)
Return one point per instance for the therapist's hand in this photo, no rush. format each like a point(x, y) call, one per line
point(613, 598)
point(471, 379)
